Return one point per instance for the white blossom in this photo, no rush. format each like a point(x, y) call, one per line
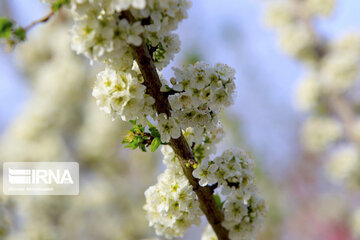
point(206, 173)
point(171, 204)
point(296, 40)
point(319, 132)
point(101, 33)
point(279, 13)
point(121, 94)
point(307, 93)
point(235, 171)
point(320, 7)
point(168, 128)
point(204, 91)
point(208, 233)
point(343, 164)
point(340, 71)
point(243, 217)
point(105, 33)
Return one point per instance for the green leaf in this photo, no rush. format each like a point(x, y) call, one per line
point(159, 54)
point(133, 123)
point(218, 201)
point(142, 147)
point(58, 4)
point(154, 132)
point(5, 27)
point(20, 33)
point(137, 137)
point(199, 152)
point(150, 125)
point(129, 137)
point(156, 142)
point(137, 140)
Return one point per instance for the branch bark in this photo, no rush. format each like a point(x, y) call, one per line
point(180, 146)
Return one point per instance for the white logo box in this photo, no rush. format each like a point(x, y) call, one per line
point(41, 178)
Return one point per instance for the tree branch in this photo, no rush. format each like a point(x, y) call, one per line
point(180, 146)
point(340, 108)
point(41, 20)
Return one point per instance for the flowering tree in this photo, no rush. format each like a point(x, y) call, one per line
point(327, 92)
point(61, 122)
point(135, 40)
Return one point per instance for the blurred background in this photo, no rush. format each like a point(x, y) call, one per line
point(47, 114)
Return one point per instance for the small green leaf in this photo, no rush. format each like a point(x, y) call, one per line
point(142, 147)
point(199, 152)
point(58, 4)
point(218, 201)
point(133, 123)
point(20, 33)
point(137, 137)
point(159, 54)
point(5, 27)
point(129, 137)
point(154, 132)
point(156, 142)
point(150, 125)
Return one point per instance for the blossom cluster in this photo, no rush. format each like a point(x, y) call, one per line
point(344, 164)
point(122, 94)
point(327, 91)
point(171, 204)
point(331, 78)
point(172, 198)
point(57, 78)
point(202, 90)
point(336, 74)
point(61, 122)
point(319, 133)
point(103, 33)
point(107, 31)
point(295, 37)
point(244, 209)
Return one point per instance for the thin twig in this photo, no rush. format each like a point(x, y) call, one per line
point(180, 146)
point(41, 20)
point(340, 108)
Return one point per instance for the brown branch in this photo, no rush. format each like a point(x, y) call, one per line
point(180, 146)
point(41, 20)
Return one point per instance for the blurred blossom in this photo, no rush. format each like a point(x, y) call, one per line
point(343, 166)
point(60, 122)
point(320, 132)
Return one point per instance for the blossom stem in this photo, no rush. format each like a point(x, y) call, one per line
point(180, 146)
point(41, 20)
